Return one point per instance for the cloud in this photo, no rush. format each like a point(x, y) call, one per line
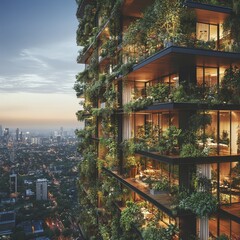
point(27, 56)
point(45, 69)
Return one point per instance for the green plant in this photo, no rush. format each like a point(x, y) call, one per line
point(158, 92)
point(153, 231)
point(230, 86)
point(224, 139)
point(131, 216)
point(206, 44)
point(169, 140)
point(136, 105)
point(223, 237)
point(147, 137)
point(179, 94)
point(202, 204)
point(161, 185)
point(192, 150)
point(202, 183)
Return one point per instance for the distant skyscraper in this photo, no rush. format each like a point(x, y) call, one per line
point(6, 134)
point(17, 134)
point(12, 154)
point(20, 137)
point(1, 131)
point(13, 183)
point(41, 189)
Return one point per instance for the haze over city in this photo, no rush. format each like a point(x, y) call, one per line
point(38, 63)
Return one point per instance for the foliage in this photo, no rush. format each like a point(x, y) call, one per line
point(201, 201)
point(160, 23)
point(104, 232)
point(230, 26)
point(131, 216)
point(161, 185)
point(202, 183)
point(154, 231)
point(86, 25)
point(108, 49)
point(147, 137)
point(103, 112)
point(223, 237)
point(179, 94)
point(230, 86)
point(138, 104)
point(202, 204)
point(159, 92)
point(192, 150)
point(169, 140)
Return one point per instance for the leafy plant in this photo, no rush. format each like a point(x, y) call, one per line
point(230, 86)
point(169, 140)
point(138, 104)
point(159, 92)
point(153, 231)
point(202, 204)
point(192, 150)
point(131, 216)
point(161, 185)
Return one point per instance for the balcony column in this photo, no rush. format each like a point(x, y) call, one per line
point(205, 170)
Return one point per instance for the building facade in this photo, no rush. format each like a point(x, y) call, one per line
point(13, 183)
point(42, 189)
point(161, 141)
point(7, 222)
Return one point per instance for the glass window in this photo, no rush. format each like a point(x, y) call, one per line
point(221, 73)
point(210, 76)
point(200, 75)
point(207, 76)
point(202, 31)
point(213, 35)
point(211, 133)
point(224, 183)
point(207, 32)
point(235, 132)
point(224, 132)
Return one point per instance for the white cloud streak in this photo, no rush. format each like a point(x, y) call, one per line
point(46, 69)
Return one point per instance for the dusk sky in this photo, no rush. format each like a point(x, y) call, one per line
point(38, 63)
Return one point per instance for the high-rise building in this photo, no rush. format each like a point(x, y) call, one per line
point(6, 135)
point(161, 144)
point(42, 189)
point(17, 134)
point(7, 223)
point(1, 131)
point(13, 183)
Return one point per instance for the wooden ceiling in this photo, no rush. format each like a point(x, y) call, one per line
point(172, 59)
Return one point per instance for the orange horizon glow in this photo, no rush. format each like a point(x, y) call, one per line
point(38, 110)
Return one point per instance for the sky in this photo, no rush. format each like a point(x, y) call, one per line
point(38, 54)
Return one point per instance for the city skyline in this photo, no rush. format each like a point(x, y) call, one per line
point(38, 64)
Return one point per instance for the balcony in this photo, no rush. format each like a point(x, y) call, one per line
point(175, 58)
point(210, 13)
point(162, 201)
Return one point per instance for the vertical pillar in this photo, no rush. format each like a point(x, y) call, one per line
point(205, 170)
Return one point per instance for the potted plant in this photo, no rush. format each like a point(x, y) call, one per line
point(160, 186)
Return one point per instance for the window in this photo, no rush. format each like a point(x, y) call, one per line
point(207, 76)
point(207, 32)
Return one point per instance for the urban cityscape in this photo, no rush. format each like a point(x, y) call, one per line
point(38, 187)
